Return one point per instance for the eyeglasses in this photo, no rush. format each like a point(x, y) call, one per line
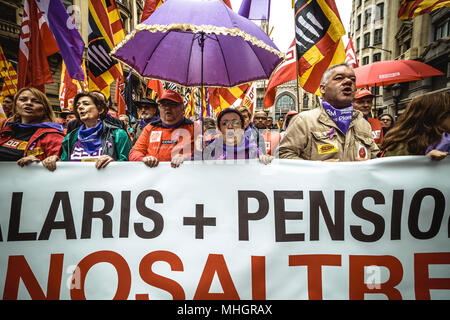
point(234, 123)
point(260, 118)
point(168, 104)
point(385, 120)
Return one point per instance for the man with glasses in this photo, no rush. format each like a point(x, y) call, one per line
point(171, 138)
point(271, 138)
point(149, 112)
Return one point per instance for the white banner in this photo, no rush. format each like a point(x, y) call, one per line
point(227, 230)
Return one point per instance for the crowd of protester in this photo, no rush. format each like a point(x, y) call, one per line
point(340, 129)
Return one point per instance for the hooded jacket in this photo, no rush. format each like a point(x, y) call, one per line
point(43, 143)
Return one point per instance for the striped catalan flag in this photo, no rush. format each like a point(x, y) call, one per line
point(413, 8)
point(223, 98)
point(150, 7)
point(8, 75)
point(318, 32)
point(102, 69)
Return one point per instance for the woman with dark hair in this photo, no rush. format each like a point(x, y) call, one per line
point(95, 140)
point(423, 129)
point(32, 133)
point(387, 122)
point(232, 143)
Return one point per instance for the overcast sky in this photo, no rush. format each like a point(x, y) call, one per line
point(282, 19)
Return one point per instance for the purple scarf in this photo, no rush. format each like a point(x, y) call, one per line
point(441, 145)
point(246, 149)
point(341, 117)
point(91, 138)
point(142, 123)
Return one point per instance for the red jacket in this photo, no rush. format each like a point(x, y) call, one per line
point(43, 143)
point(377, 130)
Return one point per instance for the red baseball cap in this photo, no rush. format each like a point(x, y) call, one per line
point(171, 95)
point(363, 93)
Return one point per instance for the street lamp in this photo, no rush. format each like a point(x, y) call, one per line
point(382, 49)
point(396, 92)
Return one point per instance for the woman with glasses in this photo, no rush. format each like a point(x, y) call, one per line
point(232, 143)
point(387, 121)
point(32, 134)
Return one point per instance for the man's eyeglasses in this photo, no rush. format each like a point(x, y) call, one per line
point(385, 120)
point(234, 123)
point(260, 118)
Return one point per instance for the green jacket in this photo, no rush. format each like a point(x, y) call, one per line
point(115, 143)
point(400, 149)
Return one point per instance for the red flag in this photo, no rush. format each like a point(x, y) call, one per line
point(119, 96)
point(228, 3)
point(350, 54)
point(35, 45)
point(156, 86)
point(285, 72)
point(150, 7)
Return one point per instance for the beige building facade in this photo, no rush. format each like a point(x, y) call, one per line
point(379, 35)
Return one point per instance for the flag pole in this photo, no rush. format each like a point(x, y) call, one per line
point(299, 109)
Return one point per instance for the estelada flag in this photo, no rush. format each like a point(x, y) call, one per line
point(36, 43)
point(150, 7)
point(318, 32)
point(413, 8)
point(102, 69)
point(285, 72)
point(350, 54)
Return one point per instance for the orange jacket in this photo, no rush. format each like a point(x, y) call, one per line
point(163, 143)
point(272, 138)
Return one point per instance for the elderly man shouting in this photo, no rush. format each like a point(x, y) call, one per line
point(334, 131)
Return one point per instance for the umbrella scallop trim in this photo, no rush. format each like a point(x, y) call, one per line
point(197, 29)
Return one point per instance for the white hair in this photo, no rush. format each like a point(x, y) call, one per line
point(327, 73)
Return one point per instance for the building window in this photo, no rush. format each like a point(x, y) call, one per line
point(365, 60)
point(358, 22)
point(442, 29)
point(376, 57)
point(366, 40)
point(378, 36)
point(284, 104)
point(8, 13)
point(305, 102)
point(259, 103)
point(379, 14)
point(368, 16)
point(357, 44)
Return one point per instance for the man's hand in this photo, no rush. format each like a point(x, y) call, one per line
point(150, 161)
point(177, 161)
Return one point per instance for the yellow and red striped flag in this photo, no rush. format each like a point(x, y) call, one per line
point(223, 98)
point(8, 75)
point(413, 8)
point(318, 32)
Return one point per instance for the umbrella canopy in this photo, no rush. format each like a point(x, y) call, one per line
point(384, 73)
point(199, 43)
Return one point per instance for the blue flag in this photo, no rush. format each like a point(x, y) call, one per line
point(67, 37)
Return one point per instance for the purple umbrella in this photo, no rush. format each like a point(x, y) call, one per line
point(199, 43)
